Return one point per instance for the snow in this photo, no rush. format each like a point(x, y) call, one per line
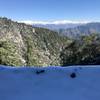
point(51, 83)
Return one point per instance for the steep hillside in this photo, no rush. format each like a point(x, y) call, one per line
point(23, 45)
point(53, 83)
point(84, 51)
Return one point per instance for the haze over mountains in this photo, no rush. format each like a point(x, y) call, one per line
point(55, 25)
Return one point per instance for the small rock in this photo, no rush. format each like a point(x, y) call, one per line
point(73, 75)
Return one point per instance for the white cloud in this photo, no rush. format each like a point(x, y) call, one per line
point(54, 22)
point(34, 22)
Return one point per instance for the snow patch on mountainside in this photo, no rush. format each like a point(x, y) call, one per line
point(52, 83)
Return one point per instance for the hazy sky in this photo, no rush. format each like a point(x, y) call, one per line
point(51, 9)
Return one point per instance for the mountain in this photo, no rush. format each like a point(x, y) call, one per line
point(81, 30)
point(82, 51)
point(52, 83)
point(56, 26)
point(25, 45)
point(73, 30)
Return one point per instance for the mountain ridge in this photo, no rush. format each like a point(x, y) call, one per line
point(22, 44)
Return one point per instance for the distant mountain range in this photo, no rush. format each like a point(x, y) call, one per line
point(73, 29)
point(57, 26)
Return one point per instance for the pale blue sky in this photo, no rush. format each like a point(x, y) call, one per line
point(51, 9)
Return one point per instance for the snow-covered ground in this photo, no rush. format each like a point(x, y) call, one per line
point(52, 83)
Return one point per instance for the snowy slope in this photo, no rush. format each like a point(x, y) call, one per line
point(52, 83)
